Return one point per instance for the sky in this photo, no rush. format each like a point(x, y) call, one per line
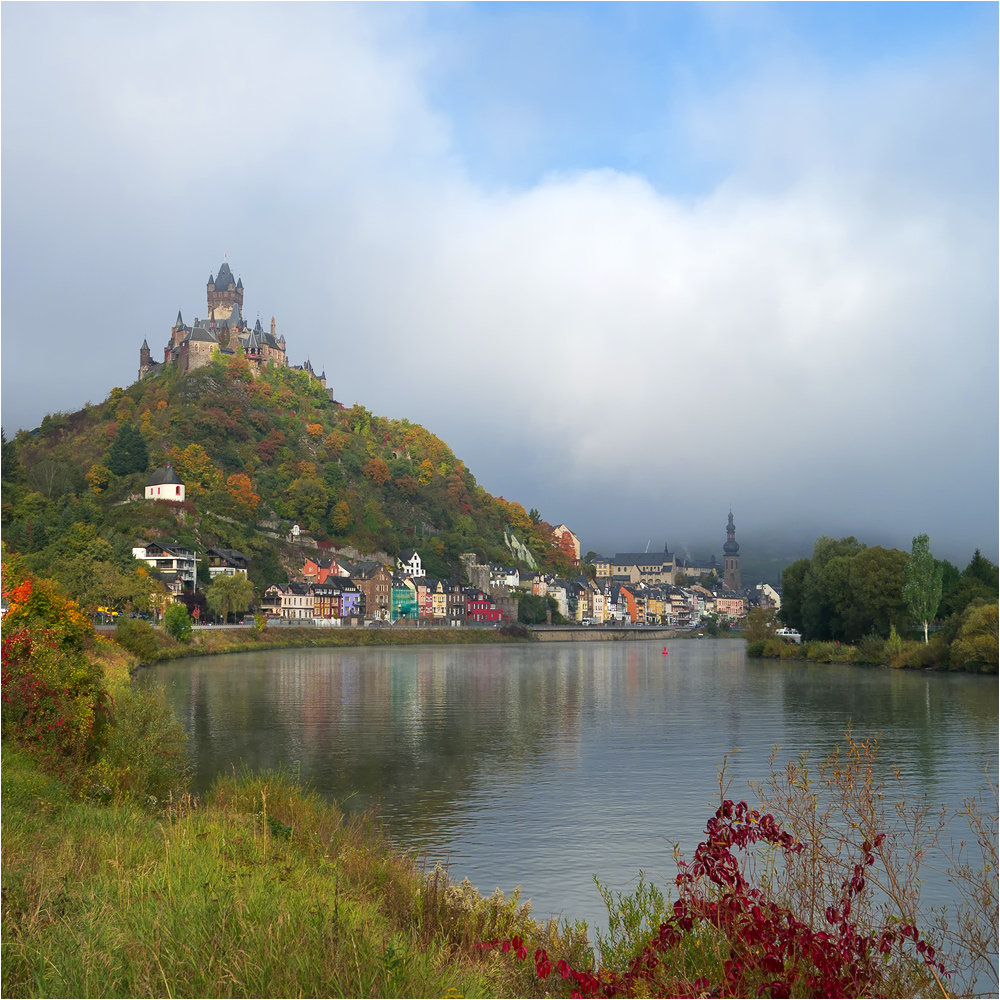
point(637, 264)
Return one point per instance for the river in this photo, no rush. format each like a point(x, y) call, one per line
point(544, 765)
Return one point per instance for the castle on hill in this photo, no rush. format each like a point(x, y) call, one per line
point(226, 331)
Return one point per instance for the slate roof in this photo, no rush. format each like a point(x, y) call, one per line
point(165, 477)
point(225, 277)
point(642, 558)
point(231, 556)
point(199, 333)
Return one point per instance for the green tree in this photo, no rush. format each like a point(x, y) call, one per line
point(982, 569)
point(978, 581)
point(759, 624)
point(531, 609)
point(976, 643)
point(818, 612)
point(128, 452)
point(177, 622)
point(230, 593)
point(876, 579)
point(922, 589)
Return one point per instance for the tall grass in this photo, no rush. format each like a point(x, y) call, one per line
point(261, 890)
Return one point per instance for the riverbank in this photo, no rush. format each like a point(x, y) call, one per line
point(874, 651)
point(262, 889)
point(151, 645)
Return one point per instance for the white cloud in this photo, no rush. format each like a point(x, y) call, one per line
point(830, 304)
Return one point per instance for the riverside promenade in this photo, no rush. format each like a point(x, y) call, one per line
point(602, 633)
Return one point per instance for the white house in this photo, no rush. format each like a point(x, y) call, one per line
point(165, 484)
point(169, 558)
point(293, 602)
point(408, 563)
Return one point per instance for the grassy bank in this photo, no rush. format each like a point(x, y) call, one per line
point(150, 644)
point(260, 890)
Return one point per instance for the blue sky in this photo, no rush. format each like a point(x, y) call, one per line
point(633, 262)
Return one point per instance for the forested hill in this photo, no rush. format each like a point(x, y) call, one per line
point(256, 455)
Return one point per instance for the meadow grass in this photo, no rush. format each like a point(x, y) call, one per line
point(262, 889)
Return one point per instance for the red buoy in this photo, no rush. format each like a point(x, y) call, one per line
point(665, 653)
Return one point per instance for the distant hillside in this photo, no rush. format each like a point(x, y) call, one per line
point(256, 455)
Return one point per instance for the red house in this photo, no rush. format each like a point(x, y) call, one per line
point(480, 608)
point(318, 570)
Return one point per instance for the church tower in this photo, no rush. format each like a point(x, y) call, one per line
point(224, 294)
point(731, 575)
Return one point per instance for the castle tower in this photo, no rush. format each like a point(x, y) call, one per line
point(224, 294)
point(731, 575)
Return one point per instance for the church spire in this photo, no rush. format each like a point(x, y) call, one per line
point(731, 575)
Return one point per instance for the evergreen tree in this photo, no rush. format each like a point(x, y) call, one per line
point(128, 452)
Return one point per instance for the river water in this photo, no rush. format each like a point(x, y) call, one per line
point(543, 765)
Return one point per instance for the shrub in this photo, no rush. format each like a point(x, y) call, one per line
point(756, 649)
point(177, 622)
point(871, 649)
point(976, 643)
point(53, 698)
point(144, 757)
point(138, 637)
point(780, 649)
point(726, 936)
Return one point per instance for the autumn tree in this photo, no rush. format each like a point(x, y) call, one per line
point(922, 587)
point(307, 501)
point(98, 478)
point(377, 471)
point(341, 519)
point(194, 465)
point(241, 494)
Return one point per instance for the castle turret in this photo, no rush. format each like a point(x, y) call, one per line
point(224, 293)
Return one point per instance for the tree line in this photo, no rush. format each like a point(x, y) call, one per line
point(848, 590)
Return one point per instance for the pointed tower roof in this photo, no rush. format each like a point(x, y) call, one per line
point(225, 277)
point(180, 319)
point(732, 546)
point(239, 282)
point(145, 346)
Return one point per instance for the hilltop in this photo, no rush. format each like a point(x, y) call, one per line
point(259, 449)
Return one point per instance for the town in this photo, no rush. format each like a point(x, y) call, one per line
point(632, 588)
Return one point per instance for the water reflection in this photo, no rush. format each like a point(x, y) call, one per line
point(547, 764)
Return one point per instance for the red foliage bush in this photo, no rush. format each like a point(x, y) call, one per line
point(771, 952)
point(52, 698)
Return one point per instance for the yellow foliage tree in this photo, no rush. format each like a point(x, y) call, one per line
point(241, 493)
point(195, 468)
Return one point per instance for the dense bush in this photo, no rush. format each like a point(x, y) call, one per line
point(177, 622)
point(138, 637)
point(144, 756)
point(53, 698)
point(976, 643)
point(871, 649)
